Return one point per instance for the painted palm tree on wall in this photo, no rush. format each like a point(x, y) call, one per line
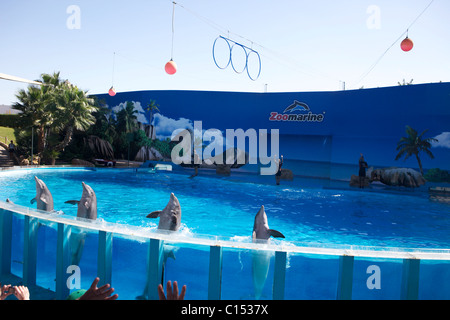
point(413, 144)
point(152, 107)
point(127, 119)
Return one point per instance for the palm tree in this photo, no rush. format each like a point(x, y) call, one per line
point(73, 110)
point(127, 119)
point(34, 113)
point(105, 126)
point(413, 144)
point(152, 106)
point(37, 105)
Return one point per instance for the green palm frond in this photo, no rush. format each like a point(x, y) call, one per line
point(413, 144)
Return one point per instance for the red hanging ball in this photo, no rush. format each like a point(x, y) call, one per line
point(112, 92)
point(407, 44)
point(171, 67)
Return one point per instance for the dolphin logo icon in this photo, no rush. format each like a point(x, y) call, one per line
point(297, 106)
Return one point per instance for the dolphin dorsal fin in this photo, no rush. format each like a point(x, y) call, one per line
point(276, 234)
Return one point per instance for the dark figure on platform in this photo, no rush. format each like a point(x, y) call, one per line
point(278, 174)
point(11, 149)
point(362, 170)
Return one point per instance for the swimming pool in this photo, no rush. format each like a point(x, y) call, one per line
point(303, 210)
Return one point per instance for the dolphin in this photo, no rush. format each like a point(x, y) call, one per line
point(87, 205)
point(170, 216)
point(261, 259)
point(87, 209)
point(169, 219)
point(43, 197)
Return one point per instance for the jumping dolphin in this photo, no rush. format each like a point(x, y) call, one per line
point(261, 259)
point(43, 197)
point(87, 209)
point(169, 219)
point(170, 216)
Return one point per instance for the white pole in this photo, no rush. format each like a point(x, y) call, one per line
point(32, 142)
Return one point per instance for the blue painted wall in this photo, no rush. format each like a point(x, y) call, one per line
point(368, 121)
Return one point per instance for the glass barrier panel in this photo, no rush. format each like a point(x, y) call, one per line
point(311, 277)
point(83, 248)
point(434, 280)
point(377, 279)
point(46, 255)
point(247, 274)
point(188, 265)
point(129, 267)
point(17, 245)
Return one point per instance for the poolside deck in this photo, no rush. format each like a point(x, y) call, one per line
point(36, 292)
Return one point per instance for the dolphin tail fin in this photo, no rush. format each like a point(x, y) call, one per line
point(154, 214)
point(33, 200)
point(276, 234)
point(171, 254)
point(72, 201)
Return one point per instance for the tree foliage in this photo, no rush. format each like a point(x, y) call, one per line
point(54, 109)
point(414, 144)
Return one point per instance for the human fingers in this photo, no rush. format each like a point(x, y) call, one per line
point(21, 292)
point(107, 293)
point(183, 293)
point(175, 290)
point(161, 294)
point(94, 283)
point(104, 288)
point(169, 290)
point(114, 297)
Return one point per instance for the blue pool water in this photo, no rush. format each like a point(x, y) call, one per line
point(302, 210)
point(305, 211)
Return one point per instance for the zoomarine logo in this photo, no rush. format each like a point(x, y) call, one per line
point(288, 114)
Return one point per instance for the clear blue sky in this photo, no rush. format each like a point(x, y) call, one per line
point(306, 45)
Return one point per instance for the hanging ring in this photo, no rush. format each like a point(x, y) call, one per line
point(214, 54)
point(248, 51)
point(246, 57)
point(259, 61)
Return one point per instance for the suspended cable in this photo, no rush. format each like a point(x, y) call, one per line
point(112, 91)
point(173, 28)
point(276, 57)
point(114, 62)
point(364, 75)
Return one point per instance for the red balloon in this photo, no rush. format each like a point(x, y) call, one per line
point(112, 92)
point(407, 44)
point(171, 67)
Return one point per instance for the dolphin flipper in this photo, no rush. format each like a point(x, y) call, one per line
point(33, 200)
point(154, 214)
point(72, 202)
point(276, 234)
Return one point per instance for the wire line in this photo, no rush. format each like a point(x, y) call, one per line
point(364, 75)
